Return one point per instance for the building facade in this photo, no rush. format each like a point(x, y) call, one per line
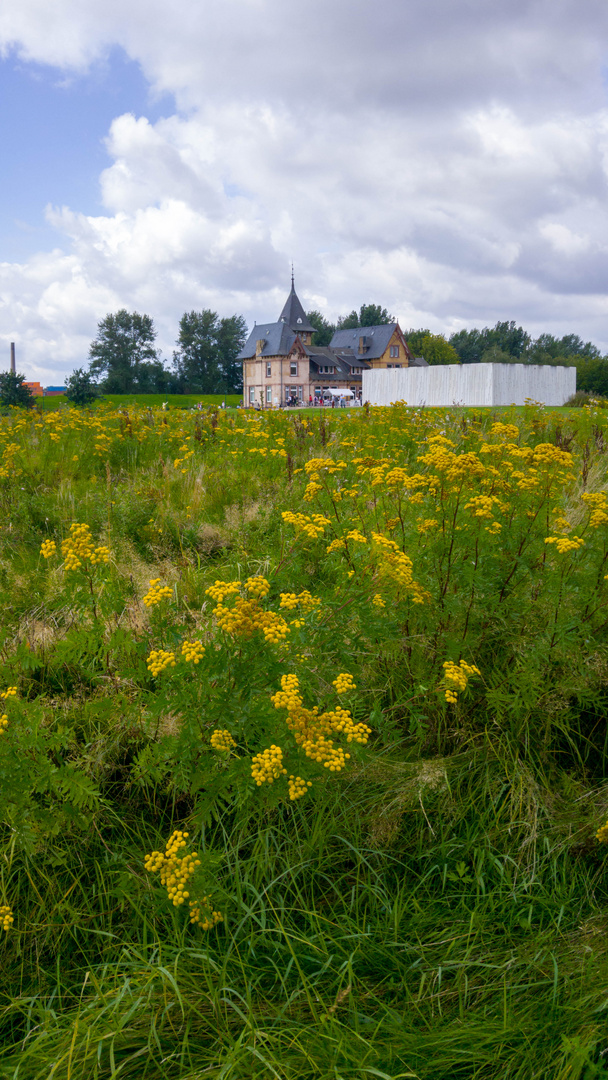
point(281, 366)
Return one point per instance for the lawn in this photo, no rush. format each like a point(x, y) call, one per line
point(303, 744)
point(174, 401)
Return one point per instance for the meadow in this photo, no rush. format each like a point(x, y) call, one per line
point(174, 401)
point(303, 765)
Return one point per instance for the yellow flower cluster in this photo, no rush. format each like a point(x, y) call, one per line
point(311, 728)
point(193, 651)
point(602, 834)
point(6, 917)
point(203, 914)
point(11, 691)
point(48, 548)
point(459, 675)
point(158, 660)
point(548, 454)
point(246, 616)
point(397, 567)
point(257, 586)
point(3, 723)
point(156, 593)
point(267, 766)
point(221, 589)
point(305, 600)
point(298, 787)
point(510, 431)
point(378, 602)
point(598, 508)
point(79, 548)
point(336, 545)
point(175, 871)
point(312, 526)
point(344, 684)
point(564, 544)
point(222, 740)
point(483, 505)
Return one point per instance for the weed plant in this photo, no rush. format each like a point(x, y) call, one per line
point(303, 744)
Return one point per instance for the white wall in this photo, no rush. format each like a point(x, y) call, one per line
point(470, 384)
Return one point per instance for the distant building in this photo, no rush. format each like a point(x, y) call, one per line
point(281, 366)
point(36, 388)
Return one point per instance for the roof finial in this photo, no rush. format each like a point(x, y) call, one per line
point(292, 285)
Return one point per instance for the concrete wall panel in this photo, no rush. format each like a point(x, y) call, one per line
point(470, 384)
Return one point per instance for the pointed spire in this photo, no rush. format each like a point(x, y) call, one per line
point(293, 313)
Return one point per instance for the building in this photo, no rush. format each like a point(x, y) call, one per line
point(471, 385)
point(281, 366)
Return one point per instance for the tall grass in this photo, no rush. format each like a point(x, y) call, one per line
point(438, 909)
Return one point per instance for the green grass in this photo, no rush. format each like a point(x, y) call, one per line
point(438, 909)
point(183, 401)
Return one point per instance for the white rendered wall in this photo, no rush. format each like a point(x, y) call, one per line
point(470, 384)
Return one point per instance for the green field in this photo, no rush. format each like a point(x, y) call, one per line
point(303, 742)
point(179, 401)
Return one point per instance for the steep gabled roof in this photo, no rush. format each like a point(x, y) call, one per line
point(376, 339)
point(293, 314)
point(278, 340)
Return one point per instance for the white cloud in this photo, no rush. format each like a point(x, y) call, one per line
point(446, 160)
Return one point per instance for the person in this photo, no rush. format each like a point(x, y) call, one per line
point(309, 400)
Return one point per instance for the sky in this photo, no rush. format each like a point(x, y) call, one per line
point(447, 159)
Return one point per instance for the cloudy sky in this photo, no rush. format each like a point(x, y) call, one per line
point(445, 158)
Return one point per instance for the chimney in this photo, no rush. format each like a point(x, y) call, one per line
point(259, 346)
point(362, 345)
point(13, 368)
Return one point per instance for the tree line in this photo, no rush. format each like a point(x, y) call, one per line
point(124, 359)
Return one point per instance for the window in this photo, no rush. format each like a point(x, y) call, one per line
point(326, 370)
point(252, 395)
point(394, 350)
point(269, 395)
point(268, 369)
point(300, 392)
point(293, 368)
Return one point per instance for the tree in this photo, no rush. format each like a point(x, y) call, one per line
point(508, 338)
point(505, 337)
point(208, 347)
point(13, 391)
point(548, 349)
point(80, 388)
point(124, 354)
point(231, 337)
point(369, 315)
point(495, 355)
point(470, 345)
point(432, 347)
point(324, 330)
point(591, 374)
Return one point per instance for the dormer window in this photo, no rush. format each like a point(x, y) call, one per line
point(299, 320)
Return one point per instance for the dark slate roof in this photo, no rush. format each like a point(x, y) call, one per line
point(293, 313)
point(278, 340)
point(377, 339)
point(324, 357)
